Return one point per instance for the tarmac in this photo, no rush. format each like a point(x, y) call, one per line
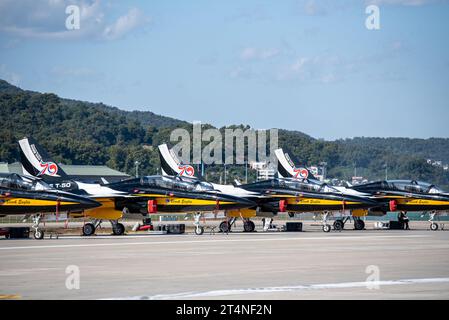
point(368, 264)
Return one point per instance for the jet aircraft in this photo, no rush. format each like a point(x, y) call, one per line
point(409, 196)
point(21, 195)
point(152, 194)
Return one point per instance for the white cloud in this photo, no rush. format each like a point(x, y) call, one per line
point(250, 53)
point(124, 24)
point(45, 19)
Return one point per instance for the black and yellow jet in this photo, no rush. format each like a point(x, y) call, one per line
point(408, 196)
point(151, 194)
point(168, 194)
point(26, 196)
point(302, 195)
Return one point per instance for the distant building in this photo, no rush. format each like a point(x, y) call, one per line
point(358, 180)
point(264, 170)
point(84, 173)
point(257, 165)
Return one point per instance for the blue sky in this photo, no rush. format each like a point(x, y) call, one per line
point(303, 65)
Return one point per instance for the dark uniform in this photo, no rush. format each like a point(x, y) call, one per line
point(402, 218)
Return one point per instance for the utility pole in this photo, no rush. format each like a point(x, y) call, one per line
point(324, 165)
point(137, 168)
point(246, 171)
point(225, 174)
point(386, 171)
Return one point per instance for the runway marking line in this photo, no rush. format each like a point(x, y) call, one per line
point(206, 241)
point(229, 292)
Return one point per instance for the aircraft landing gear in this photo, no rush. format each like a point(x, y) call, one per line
point(38, 232)
point(433, 225)
point(248, 225)
point(118, 229)
point(339, 225)
point(199, 230)
point(90, 227)
point(359, 224)
point(326, 226)
point(225, 226)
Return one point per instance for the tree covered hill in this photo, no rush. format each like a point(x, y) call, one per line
point(77, 132)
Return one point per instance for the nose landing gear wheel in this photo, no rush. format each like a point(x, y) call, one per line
point(118, 229)
point(38, 234)
point(249, 226)
point(88, 229)
point(326, 228)
point(338, 225)
point(434, 226)
point(199, 230)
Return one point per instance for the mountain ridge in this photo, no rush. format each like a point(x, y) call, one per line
point(80, 132)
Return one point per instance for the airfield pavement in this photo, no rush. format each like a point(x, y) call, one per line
point(279, 265)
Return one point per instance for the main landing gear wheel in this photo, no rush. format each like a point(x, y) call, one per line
point(249, 226)
point(199, 230)
point(88, 229)
point(434, 226)
point(38, 234)
point(359, 224)
point(326, 228)
point(339, 225)
point(118, 229)
point(225, 227)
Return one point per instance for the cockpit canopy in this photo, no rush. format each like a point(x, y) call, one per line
point(304, 185)
point(176, 183)
point(18, 182)
point(412, 186)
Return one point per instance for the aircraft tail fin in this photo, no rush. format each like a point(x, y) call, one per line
point(287, 169)
point(36, 161)
point(170, 164)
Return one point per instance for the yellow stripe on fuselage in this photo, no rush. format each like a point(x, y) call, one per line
point(422, 202)
point(323, 202)
point(162, 200)
point(33, 202)
point(188, 201)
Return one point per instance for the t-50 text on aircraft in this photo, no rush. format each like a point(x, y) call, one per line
point(21, 195)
